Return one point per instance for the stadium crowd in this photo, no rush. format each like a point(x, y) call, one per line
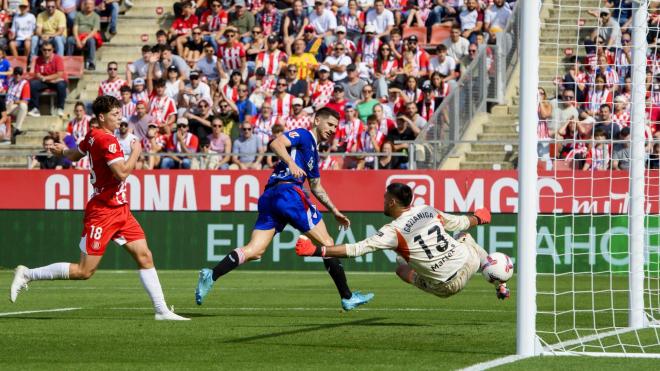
point(587, 125)
point(228, 76)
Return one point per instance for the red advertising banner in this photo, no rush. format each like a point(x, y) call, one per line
point(451, 191)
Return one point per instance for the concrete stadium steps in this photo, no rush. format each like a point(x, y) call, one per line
point(486, 165)
point(16, 156)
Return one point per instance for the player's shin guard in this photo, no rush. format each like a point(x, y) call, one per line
point(336, 270)
point(226, 265)
point(149, 278)
point(55, 271)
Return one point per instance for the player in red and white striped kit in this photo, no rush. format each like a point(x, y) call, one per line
point(429, 257)
point(232, 52)
point(113, 84)
point(107, 214)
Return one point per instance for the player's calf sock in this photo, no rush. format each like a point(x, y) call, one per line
point(151, 283)
point(226, 265)
point(55, 271)
point(336, 270)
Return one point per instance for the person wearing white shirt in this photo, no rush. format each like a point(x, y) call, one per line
point(381, 18)
point(22, 28)
point(125, 137)
point(208, 64)
point(496, 18)
point(471, 23)
point(458, 47)
point(323, 20)
point(444, 64)
point(338, 61)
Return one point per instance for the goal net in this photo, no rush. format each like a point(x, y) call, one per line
point(597, 258)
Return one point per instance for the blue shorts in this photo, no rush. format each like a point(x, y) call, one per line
point(286, 203)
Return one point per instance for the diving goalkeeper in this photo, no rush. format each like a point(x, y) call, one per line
point(429, 257)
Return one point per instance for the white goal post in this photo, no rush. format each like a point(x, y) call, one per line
point(588, 278)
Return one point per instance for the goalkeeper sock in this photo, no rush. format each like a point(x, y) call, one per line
point(149, 278)
point(226, 265)
point(55, 271)
point(336, 270)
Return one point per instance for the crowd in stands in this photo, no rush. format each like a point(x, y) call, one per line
point(229, 75)
point(587, 125)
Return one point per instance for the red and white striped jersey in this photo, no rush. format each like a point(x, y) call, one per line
point(161, 108)
point(270, 61)
point(352, 22)
point(297, 122)
point(321, 92)
point(368, 50)
point(268, 85)
point(386, 125)
point(78, 128)
point(263, 128)
point(386, 67)
point(127, 109)
point(415, 96)
point(599, 157)
point(141, 96)
point(328, 163)
point(427, 109)
point(441, 92)
point(596, 98)
point(349, 132)
point(282, 106)
point(231, 93)
point(622, 119)
point(348, 44)
point(231, 55)
point(111, 88)
point(542, 130)
point(367, 145)
point(217, 22)
point(161, 140)
point(611, 77)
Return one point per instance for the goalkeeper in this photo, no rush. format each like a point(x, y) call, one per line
point(429, 257)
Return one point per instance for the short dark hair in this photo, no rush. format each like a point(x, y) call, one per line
point(401, 192)
point(624, 132)
point(327, 111)
point(47, 137)
point(105, 104)
point(111, 63)
point(79, 104)
point(277, 128)
point(125, 88)
point(372, 117)
point(146, 48)
point(159, 83)
point(161, 32)
point(599, 133)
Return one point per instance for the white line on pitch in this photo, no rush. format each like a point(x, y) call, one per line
point(301, 309)
point(494, 363)
point(38, 311)
point(138, 288)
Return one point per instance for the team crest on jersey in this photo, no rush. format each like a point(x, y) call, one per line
point(112, 148)
point(91, 141)
point(293, 134)
point(96, 245)
point(310, 164)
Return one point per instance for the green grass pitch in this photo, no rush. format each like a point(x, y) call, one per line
point(263, 320)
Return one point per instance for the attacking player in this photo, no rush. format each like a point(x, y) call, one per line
point(429, 257)
point(285, 202)
point(107, 215)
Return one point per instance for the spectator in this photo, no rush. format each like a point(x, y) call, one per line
point(598, 96)
point(110, 10)
point(384, 124)
point(419, 65)
point(382, 19)
point(496, 18)
point(365, 106)
point(173, 85)
point(347, 138)
point(609, 29)
point(85, 34)
point(429, 104)
point(323, 20)
point(298, 118)
point(597, 153)
point(180, 141)
point(18, 97)
point(353, 84)
point(139, 91)
point(457, 45)
point(45, 159)
point(5, 24)
point(51, 28)
point(182, 28)
point(273, 59)
point(22, 30)
point(219, 142)
point(654, 157)
point(48, 74)
point(604, 122)
point(245, 108)
point(387, 161)
point(5, 126)
point(195, 91)
point(411, 93)
point(621, 155)
point(208, 160)
point(350, 47)
point(125, 137)
point(167, 59)
point(272, 160)
point(372, 140)
point(249, 150)
point(295, 86)
point(199, 118)
point(209, 66)
point(386, 69)
point(152, 143)
point(69, 8)
point(269, 19)
point(314, 44)
point(444, 64)
point(621, 115)
point(140, 67)
point(367, 47)
point(140, 121)
point(281, 101)
point(263, 124)
point(256, 46)
point(261, 86)
point(405, 130)
point(418, 121)
point(127, 105)
point(338, 61)
point(193, 48)
point(162, 108)
point(471, 19)
point(304, 62)
point(232, 52)
point(295, 22)
point(321, 90)
point(394, 102)
point(338, 101)
point(112, 85)
point(242, 21)
point(230, 89)
point(228, 113)
point(213, 21)
point(78, 127)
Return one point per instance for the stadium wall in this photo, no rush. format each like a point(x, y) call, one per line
point(192, 218)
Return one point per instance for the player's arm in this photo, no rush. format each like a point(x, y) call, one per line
point(462, 222)
point(384, 239)
point(61, 150)
point(279, 146)
point(319, 192)
point(122, 169)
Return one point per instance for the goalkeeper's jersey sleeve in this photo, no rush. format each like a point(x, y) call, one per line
point(420, 237)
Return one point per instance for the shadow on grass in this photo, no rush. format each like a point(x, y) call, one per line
point(362, 322)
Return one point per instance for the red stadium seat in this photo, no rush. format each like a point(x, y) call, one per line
point(18, 62)
point(74, 66)
point(420, 32)
point(439, 33)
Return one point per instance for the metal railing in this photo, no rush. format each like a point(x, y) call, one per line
point(483, 81)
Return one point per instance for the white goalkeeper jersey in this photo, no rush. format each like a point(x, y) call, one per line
point(420, 236)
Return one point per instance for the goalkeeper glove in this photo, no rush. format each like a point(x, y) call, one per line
point(482, 215)
point(305, 247)
point(502, 292)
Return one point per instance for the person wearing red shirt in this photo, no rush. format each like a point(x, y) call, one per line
point(107, 214)
point(212, 21)
point(232, 52)
point(182, 27)
point(180, 141)
point(48, 74)
point(338, 101)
